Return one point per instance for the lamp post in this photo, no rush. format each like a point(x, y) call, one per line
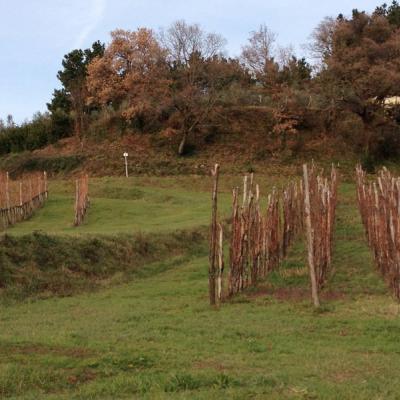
point(126, 163)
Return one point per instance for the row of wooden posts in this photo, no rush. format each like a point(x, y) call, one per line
point(259, 239)
point(379, 204)
point(19, 199)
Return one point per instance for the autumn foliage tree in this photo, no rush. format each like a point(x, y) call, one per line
point(180, 83)
point(363, 69)
point(178, 76)
point(131, 76)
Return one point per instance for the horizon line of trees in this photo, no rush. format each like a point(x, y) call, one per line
point(180, 83)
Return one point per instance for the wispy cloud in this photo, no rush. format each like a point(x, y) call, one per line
point(96, 14)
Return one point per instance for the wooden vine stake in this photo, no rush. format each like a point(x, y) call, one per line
point(214, 239)
point(220, 262)
point(81, 199)
point(320, 198)
point(8, 190)
point(310, 237)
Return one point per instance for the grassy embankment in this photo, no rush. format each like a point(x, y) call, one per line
point(156, 337)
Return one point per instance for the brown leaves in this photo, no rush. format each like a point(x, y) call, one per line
point(132, 69)
point(365, 55)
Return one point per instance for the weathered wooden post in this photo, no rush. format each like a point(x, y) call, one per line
point(213, 237)
point(8, 190)
point(244, 190)
point(310, 237)
point(45, 184)
point(126, 164)
point(76, 222)
point(20, 194)
point(30, 196)
point(220, 262)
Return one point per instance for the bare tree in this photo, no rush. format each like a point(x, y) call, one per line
point(183, 40)
point(284, 55)
point(198, 71)
point(257, 54)
point(322, 40)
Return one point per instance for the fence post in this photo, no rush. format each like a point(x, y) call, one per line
point(20, 194)
point(7, 191)
point(76, 202)
point(310, 237)
point(45, 183)
point(213, 237)
point(220, 263)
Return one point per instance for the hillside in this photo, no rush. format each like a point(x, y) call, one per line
point(188, 218)
point(147, 331)
point(155, 155)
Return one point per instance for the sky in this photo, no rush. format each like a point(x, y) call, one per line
point(35, 34)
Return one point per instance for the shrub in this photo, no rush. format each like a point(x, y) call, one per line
point(41, 131)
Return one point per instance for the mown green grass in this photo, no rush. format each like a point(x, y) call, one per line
point(145, 204)
point(157, 338)
point(124, 206)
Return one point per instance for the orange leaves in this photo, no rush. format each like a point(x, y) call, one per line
point(285, 126)
point(132, 69)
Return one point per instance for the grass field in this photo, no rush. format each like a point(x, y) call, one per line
point(120, 206)
point(155, 337)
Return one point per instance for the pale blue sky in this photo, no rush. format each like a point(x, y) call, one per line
point(35, 34)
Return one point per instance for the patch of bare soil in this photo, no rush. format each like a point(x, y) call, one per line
point(74, 352)
point(209, 364)
point(294, 294)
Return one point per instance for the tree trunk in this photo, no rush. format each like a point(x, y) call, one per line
point(182, 144)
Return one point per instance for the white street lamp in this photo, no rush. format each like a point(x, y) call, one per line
point(126, 163)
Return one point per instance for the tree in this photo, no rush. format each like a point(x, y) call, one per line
point(199, 76)
point(392, 13)
point(257, 55)
point(182, 40)
point(196, 90)
point(290, 70)
point(60, 102)
point(363, 68)
point(73, 78)
point(131, 76)
point(322, 41)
